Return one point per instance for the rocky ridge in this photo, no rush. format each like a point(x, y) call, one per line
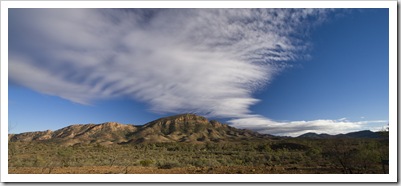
point(179, 128)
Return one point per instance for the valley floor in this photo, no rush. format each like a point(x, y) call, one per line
point(263, 156)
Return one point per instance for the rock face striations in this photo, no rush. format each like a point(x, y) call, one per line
point(106, 133)
point(190, 128)
point(180, 128)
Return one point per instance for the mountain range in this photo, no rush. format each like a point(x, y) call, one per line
point(189, 128)
point(358, 134)
point(179, 128)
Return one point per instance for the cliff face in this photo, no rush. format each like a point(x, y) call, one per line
point(179, 128)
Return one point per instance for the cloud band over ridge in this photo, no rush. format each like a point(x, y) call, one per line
point(206, 61)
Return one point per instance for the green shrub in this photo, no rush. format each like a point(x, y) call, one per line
point(146, 162)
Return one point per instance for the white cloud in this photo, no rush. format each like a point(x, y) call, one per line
point(296, 128)
point(207, 61)
point(43, 81)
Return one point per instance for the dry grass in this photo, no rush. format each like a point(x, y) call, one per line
point(285, 156)
point(176, 170)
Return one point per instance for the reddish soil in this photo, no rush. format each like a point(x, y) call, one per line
point(176, 170)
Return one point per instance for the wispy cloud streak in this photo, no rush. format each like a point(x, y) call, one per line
point(207, 61)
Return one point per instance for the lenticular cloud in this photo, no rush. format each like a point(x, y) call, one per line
point(207, 61)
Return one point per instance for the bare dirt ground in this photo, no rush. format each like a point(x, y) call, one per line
point(176, 170)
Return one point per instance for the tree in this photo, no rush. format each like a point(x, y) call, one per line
point(356, 155)
point(342, 153)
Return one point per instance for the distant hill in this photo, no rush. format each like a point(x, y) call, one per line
point(358, 134)
point(315, 136)
point(179, 128)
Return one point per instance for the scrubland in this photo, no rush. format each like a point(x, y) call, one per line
point(263, 156)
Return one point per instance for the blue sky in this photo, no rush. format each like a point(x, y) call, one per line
point(276, 71)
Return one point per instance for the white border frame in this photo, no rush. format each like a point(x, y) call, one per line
point(391, 177)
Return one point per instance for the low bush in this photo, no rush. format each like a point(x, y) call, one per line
point(146, 162)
